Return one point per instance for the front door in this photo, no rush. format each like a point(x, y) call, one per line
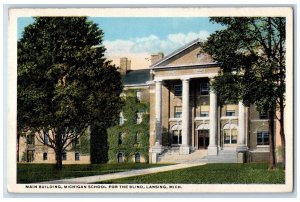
point(203, 139)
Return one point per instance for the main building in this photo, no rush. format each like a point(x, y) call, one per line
point(186, 122)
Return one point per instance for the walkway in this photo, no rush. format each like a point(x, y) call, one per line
point(98, 178)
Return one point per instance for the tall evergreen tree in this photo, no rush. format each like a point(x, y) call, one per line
point(65, 83)
point(251, 53)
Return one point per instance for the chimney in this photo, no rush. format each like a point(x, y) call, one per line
point(125, 65)
point(156, 57)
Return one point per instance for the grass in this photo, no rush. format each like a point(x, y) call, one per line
point(31, 173)
point(251, 173)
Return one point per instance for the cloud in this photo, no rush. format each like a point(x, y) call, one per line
point(151, 44)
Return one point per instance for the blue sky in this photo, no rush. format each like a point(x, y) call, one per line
point(139, 37)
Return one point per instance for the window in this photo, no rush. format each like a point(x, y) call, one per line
point(77, 156)
point(138, 95)
point(230, 113)
point(45, 156)
point(64, 156)
point(139, 117)
point(204, 114)
point(30, 139)
point(120, 157)
point(46, 139)
point(136, 138)
point(263, 115)
point(75, 142)
point(120, 138)
point(178, 90)
point(230, 134)
point(177, 112)
point(263, 138)
point(204, 88)
point(137, 158)
point(121, 119)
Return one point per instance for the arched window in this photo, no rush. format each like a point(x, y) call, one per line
point(177, 138)
point(137, 158)
point(120, 157)
point(230, 134)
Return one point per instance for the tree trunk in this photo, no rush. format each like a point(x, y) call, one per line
point(272, 163)
point(58, 165)
point(282, 135)
point(18, 147)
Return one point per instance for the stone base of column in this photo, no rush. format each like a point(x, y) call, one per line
point(184, 150)
point(157, 148)
point(154, 157)
point(242, 148)
point(241, 153)
point(212, 150)
point(155, 151)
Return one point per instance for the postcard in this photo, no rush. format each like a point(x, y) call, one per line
point(150, 100)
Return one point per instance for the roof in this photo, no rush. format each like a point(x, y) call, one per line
point(135, 77)
point(196, 41)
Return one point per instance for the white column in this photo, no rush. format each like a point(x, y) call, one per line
point(184, 148)
point(241, 128)
point(157, 148)
point(213, 124)
point(158, 111)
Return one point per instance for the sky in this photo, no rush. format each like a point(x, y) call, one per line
point(139, 37)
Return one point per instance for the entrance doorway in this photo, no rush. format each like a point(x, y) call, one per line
point(203, 139)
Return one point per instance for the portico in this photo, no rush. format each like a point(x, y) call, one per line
point(186, 112)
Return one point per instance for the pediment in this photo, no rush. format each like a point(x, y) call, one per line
point(187, 55)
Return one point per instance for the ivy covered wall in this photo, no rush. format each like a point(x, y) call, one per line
point(130, 144)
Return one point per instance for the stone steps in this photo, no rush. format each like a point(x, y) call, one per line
point(198, 156)
point(173, 156)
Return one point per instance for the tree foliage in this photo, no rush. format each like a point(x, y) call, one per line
point(251, 53)
point(64, 81)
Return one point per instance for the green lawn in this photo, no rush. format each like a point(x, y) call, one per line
point(30, 173)
point(252, 173)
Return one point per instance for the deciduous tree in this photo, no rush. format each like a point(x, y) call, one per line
point(251, 53)
point(65, 83)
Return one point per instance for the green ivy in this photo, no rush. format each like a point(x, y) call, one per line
point(129, 147)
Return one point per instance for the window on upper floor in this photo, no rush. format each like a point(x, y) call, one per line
point(139, 117)
point(204, 88)
point(204, 114)
point(138, 94)
point(262, 138)
point(30, 139)
point(178, 90)
point(263, 115)
point(120, 138)
point(136, 138)
point(177, 112)
point(230, 113)
point(121, 118)
point(46, 139)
